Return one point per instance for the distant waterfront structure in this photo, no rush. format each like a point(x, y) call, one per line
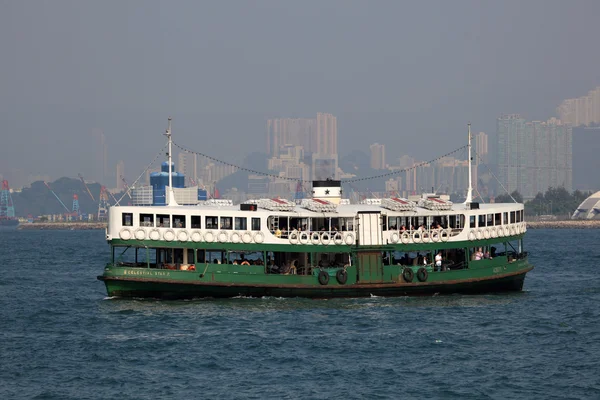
point(377, 156)
point(533, 156)
point(120, 175)
point(481, 149)
point(583, 110)
point(589, 208)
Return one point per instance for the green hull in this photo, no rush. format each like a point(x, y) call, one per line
point(221, 281)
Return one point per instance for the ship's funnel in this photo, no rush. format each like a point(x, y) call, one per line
point(328, 190)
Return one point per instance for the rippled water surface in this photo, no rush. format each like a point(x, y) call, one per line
point(61, 338)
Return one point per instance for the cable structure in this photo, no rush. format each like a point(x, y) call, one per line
point(396, 172)
point(143, 172)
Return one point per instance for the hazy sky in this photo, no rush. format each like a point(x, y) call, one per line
point(406, 74)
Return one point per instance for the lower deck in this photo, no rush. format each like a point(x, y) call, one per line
point(183, 272)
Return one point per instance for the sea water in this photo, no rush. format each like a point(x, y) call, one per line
point(62, 338)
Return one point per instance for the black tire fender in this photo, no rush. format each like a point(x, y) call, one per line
point(408, 275)
point(422, 274)
point(323, 278)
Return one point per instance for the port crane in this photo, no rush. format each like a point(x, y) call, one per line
point(86, 187)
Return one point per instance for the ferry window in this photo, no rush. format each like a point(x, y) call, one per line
point(196, 224)
point(212, 222)
point(190, 256)
point(490, 220)
point(127, 219)
point(519, 215)
point(472, 221)
point(226, 222)
point(393, 223)
point(384, 223)
point(512, 217)
point(146, 219)
point(256, 224)
point(497, 220)
point(461, 224)
point(178, 221)
point(481, 220)
point(505, 218)
point(241, 223)
point(200, 256)
point(164, 221)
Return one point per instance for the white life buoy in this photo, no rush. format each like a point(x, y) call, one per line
point(349, 239)
point(394, 237)
point(416, 236)
point(524, 227)
point(479, 233)
point(500, 231)
point(493, 232)
point(246, 237)
point(183, 236)
point(294, 237)
point(196, 236)
point(425, 237)
point(325, 238)
point(125, 234)
point(169, 235)
point(511, 229)
point(506, 230)
point(154, 234)
point(445, 234)
point(209, 236)
point(223, 237)
point(338, 239)
point(486, 233)
point(435, 236)
point(472, 235)
point(259, 237)
point(405, 237)
point(315, 238)
point(236, 237)
point(303, 238)
point(140, 234)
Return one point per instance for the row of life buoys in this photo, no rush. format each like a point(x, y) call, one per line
point(341, 276)
point(183, 235)
point(493, 232)
point(324, 238)
point(408, 274)
point(434, 236)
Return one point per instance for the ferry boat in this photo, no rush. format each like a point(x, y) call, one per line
point(323, 247)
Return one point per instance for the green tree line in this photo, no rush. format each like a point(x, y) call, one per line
point(556, 201)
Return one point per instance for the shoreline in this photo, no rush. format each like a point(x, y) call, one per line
point(77, 226)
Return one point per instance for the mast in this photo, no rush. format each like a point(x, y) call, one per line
point(470, 189)
point(171, 195)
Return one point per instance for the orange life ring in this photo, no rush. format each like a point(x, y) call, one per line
point(245, 262)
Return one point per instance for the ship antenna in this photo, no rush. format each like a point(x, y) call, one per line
point(171, 196)
point(470, 190)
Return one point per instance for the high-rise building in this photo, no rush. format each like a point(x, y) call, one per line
point(583, 110)
point(533, 156)
point(120, 175)
point(377, 156)
point(185, 166)
point(326, 137)
point(290, 131)
point(481, 149)
point(512, 153)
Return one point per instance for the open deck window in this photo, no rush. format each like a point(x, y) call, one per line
point(497, 219)
point(178, 221)
point(196, 224)
point(226, 222)
point(147, 220)
point(481, 222)
point(164, 221)
point(513, 218)
point(472, 221)
point(256, 224)
point(490, 220)
point(241, 223)
point(127, 219)
point(212, 222)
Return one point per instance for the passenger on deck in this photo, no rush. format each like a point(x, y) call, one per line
point(438, 261)
point(278, 233)
point(478, 254)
